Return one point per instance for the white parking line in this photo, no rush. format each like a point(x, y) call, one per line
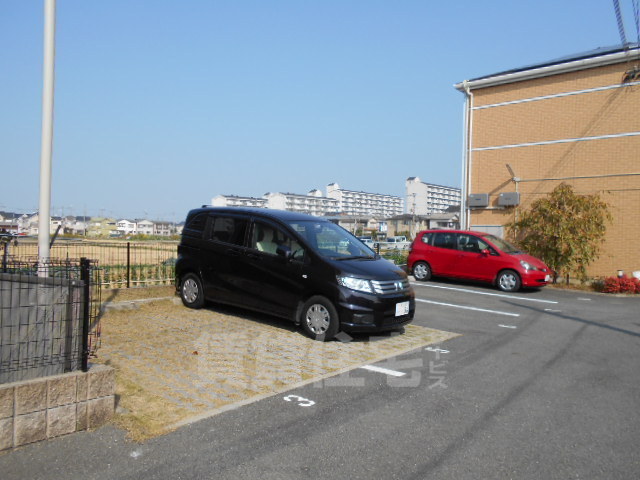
point(507, 326)
point(386, 371)
point(469, 308)
point(483, 293)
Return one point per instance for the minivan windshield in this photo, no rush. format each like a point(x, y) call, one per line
point(503, 245)
point(330, 240)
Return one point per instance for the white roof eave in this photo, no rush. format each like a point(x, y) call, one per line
point(549, 70)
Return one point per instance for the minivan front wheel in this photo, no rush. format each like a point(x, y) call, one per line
point(422, 271)
point(509, 281)
point(191, 291)
point(319, 318)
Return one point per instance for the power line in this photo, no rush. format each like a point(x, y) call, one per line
point(623, 36)
point(636, 18)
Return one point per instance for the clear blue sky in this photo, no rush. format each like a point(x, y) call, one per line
point(161, 105)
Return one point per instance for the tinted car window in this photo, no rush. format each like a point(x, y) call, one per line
point(267, 238)
point(195, 225)
point(426, 238)
point(470, 243)
point(502, 244)
point(228, 230)
point(330, 240)
point(445, 240)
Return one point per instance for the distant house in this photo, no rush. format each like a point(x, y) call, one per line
point(77, 225)
point(163, 229)
point(145, 227)
point(444, 220)
point(9, 222)
point(356, 224)
point(102, 227)
point(126, 227)
point(415, 223)
point(28, 224)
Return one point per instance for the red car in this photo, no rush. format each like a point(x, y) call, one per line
point(475, 256)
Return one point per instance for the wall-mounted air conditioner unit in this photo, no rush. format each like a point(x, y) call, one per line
point(509, 199)
point(478, 200)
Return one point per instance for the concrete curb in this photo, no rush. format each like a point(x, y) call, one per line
point(132, 304)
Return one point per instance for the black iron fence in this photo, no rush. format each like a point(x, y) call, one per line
point(123, 263)
point(49, 316)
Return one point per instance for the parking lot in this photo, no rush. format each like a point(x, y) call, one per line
point(177, 365)
point(538, 384)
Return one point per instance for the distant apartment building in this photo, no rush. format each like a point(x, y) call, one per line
point(337, 201)
point(363, 203)
point(428, 198)
point(313, 203)
point(236, 201)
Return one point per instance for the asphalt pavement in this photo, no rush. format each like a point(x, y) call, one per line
point(540, 384)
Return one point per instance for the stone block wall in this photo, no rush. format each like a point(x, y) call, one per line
point(47, 407)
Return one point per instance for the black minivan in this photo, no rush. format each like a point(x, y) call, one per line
point(291, 265)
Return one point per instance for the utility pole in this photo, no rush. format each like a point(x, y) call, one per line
point(413, 220)
point(44, 211)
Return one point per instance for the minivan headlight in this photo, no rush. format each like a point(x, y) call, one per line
point(527, 265)
point(358, 284)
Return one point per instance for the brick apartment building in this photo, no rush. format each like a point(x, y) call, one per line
point(573, 120)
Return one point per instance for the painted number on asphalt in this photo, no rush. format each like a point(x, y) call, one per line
point(436, 350)
point(302, 402)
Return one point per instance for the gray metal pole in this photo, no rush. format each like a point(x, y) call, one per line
point(44, 211)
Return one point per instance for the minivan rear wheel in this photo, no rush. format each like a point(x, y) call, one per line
point(319, 318)
point(191, 291)
point(422, 271)
point(509, 281)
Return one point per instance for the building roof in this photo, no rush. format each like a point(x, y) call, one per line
point(369, 193)
point(580, 61)
point(303, 195)
point(244, 198)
